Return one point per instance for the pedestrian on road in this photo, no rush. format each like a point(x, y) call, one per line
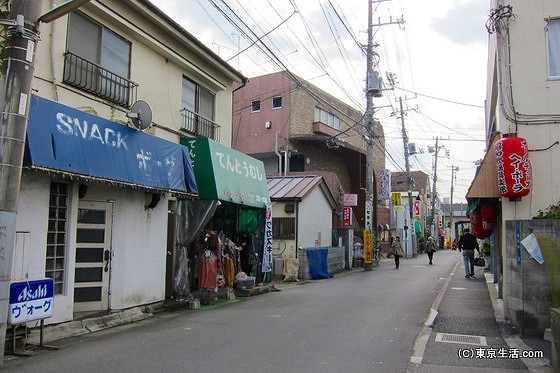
point(396, 250)
point(431, 249)
point(468, 243)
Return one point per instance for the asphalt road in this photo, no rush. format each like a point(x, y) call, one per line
point(356, 322)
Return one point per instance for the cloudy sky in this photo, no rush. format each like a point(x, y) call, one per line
point(436, 49)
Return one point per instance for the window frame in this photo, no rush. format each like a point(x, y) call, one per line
point(327, 118)
point(553, 75)
point(275, 99)
point(98, 60)
point(99, 42)
point(199, 92)
point(56, 251)
point(283, 228)
point(253, 106)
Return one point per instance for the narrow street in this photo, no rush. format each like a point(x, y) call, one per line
point(355, 322)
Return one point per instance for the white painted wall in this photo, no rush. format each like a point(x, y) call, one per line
point(278, 212)
point(534, 93)
point(139, 239)
point(315, 220)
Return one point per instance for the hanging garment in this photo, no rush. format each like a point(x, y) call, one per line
point(208, 270)
point(229, 272)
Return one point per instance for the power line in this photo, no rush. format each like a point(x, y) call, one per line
point(440, 99)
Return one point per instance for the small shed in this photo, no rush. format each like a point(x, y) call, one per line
point(302, 213)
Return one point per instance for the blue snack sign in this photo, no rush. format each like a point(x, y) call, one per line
point(31, 300)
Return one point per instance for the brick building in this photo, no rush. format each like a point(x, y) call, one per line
point(296, 128)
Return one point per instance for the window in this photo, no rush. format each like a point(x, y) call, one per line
point(98, 60)
point(327, 118)
point(276, 102)
point(255, 106)
point(197, 109)
point(284, 228)
point(553, 45)
point(197, 99)
point(56, 235)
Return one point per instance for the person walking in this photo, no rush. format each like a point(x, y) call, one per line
point(397, 250)
point(467, 244)
point(431, 249)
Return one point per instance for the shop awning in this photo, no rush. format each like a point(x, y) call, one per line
point(227, 174)
point(69, 141)
point(485, 183)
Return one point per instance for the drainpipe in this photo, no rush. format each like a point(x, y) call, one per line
point(279, 155)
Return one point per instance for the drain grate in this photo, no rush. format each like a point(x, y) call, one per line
point(461, 338)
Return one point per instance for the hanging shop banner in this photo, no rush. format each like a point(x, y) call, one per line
point(385, 181)
point(72, 142)
point(227, 174)
point(350, 199)
point(396, 199)
point(347, 216)
point(267, 256)
point(31, 300)
point(417, 209)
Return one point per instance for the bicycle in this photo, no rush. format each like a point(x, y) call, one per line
point(278, 247)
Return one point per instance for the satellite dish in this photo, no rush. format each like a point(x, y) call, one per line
point(141, 115)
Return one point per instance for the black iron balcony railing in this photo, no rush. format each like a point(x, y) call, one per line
point(101, 82)
point(199, 126)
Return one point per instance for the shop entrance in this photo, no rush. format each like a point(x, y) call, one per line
point(93, 256)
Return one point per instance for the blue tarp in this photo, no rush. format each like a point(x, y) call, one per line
point(318, 267)
point(70, 141)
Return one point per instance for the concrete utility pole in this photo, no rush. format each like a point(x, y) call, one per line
point(409, 184)
point(15, 91)
point(434, 225)
point(453, 176)
point(370, 131)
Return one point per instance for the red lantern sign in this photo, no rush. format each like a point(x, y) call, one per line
point(476, 224)
point(513, 167)
point(488, 215)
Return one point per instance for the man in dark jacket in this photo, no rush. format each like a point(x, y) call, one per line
point(467, 244)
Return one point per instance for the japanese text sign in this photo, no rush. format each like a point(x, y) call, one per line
point(347, 216)
point(31, 300)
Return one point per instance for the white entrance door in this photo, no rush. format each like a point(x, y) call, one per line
point(93, 256)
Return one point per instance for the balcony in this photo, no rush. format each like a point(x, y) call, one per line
point(199, 126)
point(98, 81)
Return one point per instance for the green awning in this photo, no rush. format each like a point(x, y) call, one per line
point(227, 174)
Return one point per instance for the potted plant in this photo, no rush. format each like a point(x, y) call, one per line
point(486, 247)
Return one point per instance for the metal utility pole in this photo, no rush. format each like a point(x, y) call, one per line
point(409, 183)
point(16, 81)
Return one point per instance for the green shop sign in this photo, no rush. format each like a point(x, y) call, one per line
point(227, 174)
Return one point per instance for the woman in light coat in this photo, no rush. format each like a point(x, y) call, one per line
point(397, 250)
point(431, 249)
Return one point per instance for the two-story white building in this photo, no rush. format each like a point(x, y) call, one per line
point(98, 196)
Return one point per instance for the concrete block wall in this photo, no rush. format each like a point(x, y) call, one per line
point(335, 261)
point(527, 294)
